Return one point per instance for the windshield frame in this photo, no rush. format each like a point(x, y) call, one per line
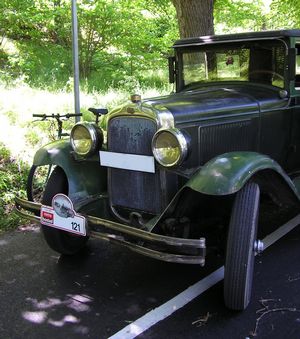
point(229, 45)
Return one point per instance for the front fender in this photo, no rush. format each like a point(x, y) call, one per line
point(85, 178)
point(228, 173)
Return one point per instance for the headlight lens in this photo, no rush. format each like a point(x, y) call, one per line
point(86, 138)
point(169, 147)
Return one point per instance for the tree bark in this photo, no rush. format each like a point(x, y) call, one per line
point(195, 17)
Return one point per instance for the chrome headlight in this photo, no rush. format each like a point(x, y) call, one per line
point(86, 138)
point(169, 147)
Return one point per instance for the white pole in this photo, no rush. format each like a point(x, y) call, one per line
point(75, 59)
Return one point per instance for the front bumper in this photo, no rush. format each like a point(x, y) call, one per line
point(170, 249)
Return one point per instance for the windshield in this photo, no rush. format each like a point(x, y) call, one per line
point(260, 62)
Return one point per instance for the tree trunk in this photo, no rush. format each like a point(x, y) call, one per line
point(195, 17)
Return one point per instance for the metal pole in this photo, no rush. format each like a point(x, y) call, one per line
point(75, 59)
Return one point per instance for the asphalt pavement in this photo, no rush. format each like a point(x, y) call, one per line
point(102, 290)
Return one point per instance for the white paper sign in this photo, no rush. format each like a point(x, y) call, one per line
point(63, 216)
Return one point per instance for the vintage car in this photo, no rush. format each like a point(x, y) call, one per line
point(176, 176)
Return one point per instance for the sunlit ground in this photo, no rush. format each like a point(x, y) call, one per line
point(44, 309)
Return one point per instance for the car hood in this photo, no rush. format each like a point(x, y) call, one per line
point(212, 102)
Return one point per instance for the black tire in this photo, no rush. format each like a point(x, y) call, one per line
point(239, 263)
point(37, 181)
point(60, 241)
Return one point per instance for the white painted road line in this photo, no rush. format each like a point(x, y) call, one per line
point(165, 310)
point(281, 231)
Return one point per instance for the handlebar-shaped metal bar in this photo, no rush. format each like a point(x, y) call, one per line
point(56, 115)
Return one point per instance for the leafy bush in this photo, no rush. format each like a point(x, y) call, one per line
point(13, 176)
point(47, 66)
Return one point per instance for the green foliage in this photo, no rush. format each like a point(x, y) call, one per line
point(243, 15)
point(239, 15)
point(46, 65)
point(117, 40)
point(13, 176)
point(32, 135)
point(284, 14)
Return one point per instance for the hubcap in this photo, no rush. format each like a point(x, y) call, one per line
point(258, 246)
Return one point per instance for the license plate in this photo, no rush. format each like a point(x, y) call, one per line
point(61, 215)
point(132, 162)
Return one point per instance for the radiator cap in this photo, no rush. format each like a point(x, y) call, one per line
point(136, 98)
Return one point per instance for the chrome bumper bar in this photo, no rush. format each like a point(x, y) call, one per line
point(177, 249)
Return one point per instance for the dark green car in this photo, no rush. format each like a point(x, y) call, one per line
point(177, 176)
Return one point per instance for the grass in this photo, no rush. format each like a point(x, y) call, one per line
point(21, 137)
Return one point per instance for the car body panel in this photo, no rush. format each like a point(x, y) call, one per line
point(85, 178)
point(229, 172)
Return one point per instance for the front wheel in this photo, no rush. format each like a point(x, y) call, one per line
point(239, 263)
point(60, 241)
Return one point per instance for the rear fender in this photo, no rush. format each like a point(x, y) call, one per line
point(85, 178)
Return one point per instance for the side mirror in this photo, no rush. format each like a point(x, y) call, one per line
point(172, 72)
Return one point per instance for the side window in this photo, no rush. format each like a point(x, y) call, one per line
point(267, 64)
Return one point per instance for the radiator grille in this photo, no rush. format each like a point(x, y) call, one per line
point(132, 189)
point(222, 138)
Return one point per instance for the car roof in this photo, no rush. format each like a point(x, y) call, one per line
point(203, 40)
